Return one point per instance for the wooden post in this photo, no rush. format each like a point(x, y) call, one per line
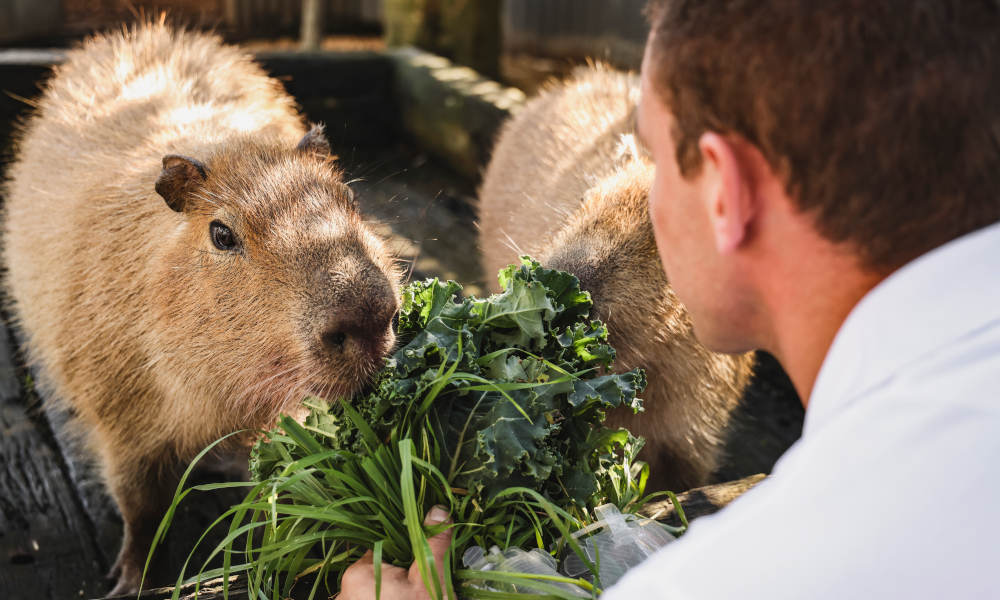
point(231, 14)
point(466, 31)
point(311, 33)
point(406, 23)
point(470, 34)
point(701, 501)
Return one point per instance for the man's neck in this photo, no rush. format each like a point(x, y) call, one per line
point(807, 307)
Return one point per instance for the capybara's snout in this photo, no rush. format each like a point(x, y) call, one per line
point(354, 318)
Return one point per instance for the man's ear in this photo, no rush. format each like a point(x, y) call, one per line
point(314, 142)
point(180, 176)
point(731, 202)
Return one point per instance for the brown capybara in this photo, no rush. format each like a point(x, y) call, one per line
point(184, 259)
point(566, 185)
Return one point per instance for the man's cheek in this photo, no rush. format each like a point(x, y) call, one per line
point(660, 221)
point(659, 211)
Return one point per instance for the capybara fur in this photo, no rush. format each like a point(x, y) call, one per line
point(567, 186)
point(184, 259)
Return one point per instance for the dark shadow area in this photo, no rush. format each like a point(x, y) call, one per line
point(768, 421)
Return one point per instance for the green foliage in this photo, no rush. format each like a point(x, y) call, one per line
point(492, 407)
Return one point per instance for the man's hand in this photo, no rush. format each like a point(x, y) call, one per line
point(358, 582)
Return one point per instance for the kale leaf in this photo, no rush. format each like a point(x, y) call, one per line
point(509, 390)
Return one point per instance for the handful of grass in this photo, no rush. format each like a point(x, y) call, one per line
point(492, 407)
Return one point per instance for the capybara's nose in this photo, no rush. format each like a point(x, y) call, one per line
point(590, 270)
point(334, 338)
point(364, 319)
point(366, 329)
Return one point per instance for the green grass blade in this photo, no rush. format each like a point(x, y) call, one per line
point(377, 561)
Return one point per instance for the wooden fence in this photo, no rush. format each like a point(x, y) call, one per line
point(609, 29)
point(561, 18)
point(23, 19)
point(239, 18)
point(263, 17)
point(613, 30)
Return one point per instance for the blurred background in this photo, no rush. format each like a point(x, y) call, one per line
point(520, 42)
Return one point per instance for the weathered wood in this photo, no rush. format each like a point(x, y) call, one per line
point(231, 14)
point(470, 34)
point(701, 501)
point(84, 476)
point(209, 590)
point(466, 32)
point(46, 538)
point(311, 32)
point(22, 19)
point(352, 92)
point(451, 110)
point(609, 30)
point(409, 23)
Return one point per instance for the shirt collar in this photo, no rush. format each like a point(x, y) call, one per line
point(929, 302)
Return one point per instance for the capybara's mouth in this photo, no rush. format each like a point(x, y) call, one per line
point(340, 390)
point(376, 350)
point(328, 392)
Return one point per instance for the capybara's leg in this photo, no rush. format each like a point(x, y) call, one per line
point(143, 487)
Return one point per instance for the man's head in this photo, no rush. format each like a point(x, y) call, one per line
point(876, 125)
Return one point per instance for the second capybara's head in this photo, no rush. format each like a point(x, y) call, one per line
point(608, 244)
point(274, 286)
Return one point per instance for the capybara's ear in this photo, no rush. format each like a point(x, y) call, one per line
point(179, 177)
point(315, 142)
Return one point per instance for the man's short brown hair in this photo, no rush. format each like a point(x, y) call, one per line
point(883, 117)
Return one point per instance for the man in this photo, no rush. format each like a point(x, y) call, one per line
point(828, 188)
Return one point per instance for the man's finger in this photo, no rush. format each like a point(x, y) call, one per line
point(438, 544)
point(358, 581)
point(441, 542)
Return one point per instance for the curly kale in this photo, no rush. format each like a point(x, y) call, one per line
point(499, 392)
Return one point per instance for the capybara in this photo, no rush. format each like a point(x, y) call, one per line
point(567, 185)
point(184, 259)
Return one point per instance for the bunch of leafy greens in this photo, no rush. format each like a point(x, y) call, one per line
point(492, 407)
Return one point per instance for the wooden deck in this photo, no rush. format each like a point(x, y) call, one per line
point(48, 539)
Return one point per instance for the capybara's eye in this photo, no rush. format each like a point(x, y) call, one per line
point(222, 236)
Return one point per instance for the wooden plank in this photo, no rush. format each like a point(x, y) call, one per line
point(701, 501)
point(451, 111)
point(23, 19)
point(83, 474)
point(210, 590)
point(47, 540)
point(312, 25)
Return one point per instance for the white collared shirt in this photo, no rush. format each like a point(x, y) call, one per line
point(893, 491)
